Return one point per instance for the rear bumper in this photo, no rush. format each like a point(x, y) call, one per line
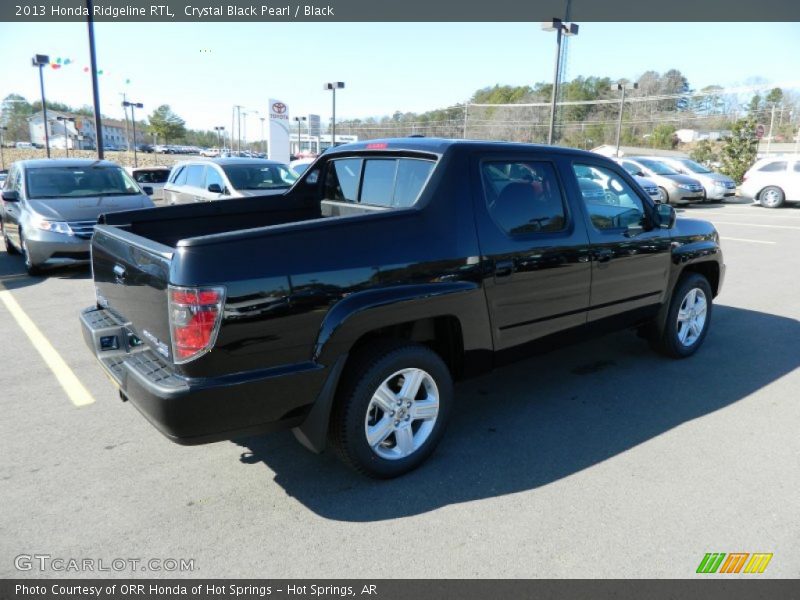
point(197, 411)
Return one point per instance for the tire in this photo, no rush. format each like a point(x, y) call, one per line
point(771, 197)
point(664, 195)
point(680, 338)
point(30, 267)
point(10, 248)
point(391, 365)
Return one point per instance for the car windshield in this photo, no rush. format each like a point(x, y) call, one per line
point(694, 167)
point(260, 176)
point(656, 167)
point(78, 182)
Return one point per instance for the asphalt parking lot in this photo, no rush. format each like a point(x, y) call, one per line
point(598, 460)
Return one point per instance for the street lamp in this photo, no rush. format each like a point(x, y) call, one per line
point(40, 60)
point(622, 86)
point(560, 28)
point(64, 120)
point(333, 86)
point(263, 139)
point(299, 120)
point(133, 105)
point(219, 129)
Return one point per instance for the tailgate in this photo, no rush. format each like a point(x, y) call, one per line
point(131, 274)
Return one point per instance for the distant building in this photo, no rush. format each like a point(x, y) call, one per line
point(80, 134)
point(693, 135)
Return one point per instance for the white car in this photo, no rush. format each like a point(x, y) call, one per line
point(208, 179)
point(301, 164)
point(773, 181)
point(152, 177)
point(716, 185)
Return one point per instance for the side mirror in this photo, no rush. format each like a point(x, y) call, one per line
point(147, 190)
point(215, 188)
point(666, 216)
point(10, 195)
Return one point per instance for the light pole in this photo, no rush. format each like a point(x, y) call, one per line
point(299, 120)
point(64, 121)
point(2, 143)
point(40, 60)
point(333, 86)
point(134, 106)
point(560, 28)
point(98, 118)
point(263, 139)
point(219, 129)
point(238, 109)
point(622, 86)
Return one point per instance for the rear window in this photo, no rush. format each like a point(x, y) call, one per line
point(778, 165)
point(388, 182)
point(78, 182)
point(151, 175)
point(260, 176)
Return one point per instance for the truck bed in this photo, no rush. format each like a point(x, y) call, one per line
point(169, 225)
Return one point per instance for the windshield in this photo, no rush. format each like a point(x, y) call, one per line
point(656, 167)
point(259, 176)
point(78, 182)
point(693, 166)
point(146, 176)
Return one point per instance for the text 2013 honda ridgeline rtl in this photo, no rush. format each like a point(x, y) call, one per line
point(346, 308)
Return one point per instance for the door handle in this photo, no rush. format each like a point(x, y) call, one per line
point(503, 268)
point(603, 255)
point(119, 273)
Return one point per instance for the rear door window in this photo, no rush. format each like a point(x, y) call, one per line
point(195, 176)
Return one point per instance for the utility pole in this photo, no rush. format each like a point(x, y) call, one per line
point(771, 123)
point(134, 106)
point(622, 86)
point(125, 110)
point(561, 28)
point(40, 60)
point(333, 86)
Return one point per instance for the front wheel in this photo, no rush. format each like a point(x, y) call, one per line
point(30, 266)
point(10, 248)
point(392, 408)
point(771, 197)
point(688, 319)
point(664, 195)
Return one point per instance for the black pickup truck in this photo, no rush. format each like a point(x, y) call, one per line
point(346, 308)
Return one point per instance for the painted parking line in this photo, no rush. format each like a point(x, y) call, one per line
point(756, 225)
point(733, 239)
point(74, 389)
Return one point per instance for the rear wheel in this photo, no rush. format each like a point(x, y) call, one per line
point(392, 408)
point(688, 319)
point(771, 197)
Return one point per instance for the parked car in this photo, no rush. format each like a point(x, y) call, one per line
point(24, 145)
point(202, 180)
point(675, 188)
point(145, 148)
point(773, 181)
point(210, 152)
point(50, 207)
point(152, 177)
point(346, 308)
point(301, 164)
point(716, 186)
point(649, 186)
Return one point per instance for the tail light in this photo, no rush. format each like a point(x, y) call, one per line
point(195, 315)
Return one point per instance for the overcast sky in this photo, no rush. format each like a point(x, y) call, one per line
point(202, 69)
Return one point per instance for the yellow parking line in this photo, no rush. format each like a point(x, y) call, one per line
point(77, 393)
